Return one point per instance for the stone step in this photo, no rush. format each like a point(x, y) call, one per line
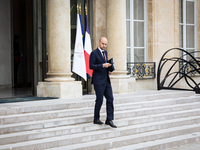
point(112, 140)
point(150, 114)
point(18, 118)
point(82, 128)
point(86, 101)
point(162, 144)
point(67, 124)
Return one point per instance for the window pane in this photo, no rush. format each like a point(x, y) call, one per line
point(180, 11)
point(128, 33)
point(190, 51)
point(189, 36)
point(127, 9)
point(128, 55)
point(138, 55)
point(138, 7)
point(181, 36)
point(190, 12)
point(138, 34)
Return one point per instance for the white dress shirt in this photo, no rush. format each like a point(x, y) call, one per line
point(101, 51)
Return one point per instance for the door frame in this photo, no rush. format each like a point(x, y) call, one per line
point(36, 35)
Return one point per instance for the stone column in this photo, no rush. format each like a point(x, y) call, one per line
point(99, 21)
point(59, 65)
point(116, 34)
point(59, 82)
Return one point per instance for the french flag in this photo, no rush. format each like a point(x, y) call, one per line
point(87, 49)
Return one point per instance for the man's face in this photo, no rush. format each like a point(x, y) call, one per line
point(103, 43)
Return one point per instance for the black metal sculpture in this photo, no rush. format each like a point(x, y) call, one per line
point(189, 67)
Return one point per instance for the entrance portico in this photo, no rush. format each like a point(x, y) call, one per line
point(59, 82)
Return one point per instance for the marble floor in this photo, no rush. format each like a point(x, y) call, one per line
point(16, 92)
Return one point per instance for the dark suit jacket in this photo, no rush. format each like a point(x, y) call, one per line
point(100, 74)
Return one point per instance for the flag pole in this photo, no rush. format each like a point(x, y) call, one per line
point(74, 52)
point(87, 74)
point(86, 8)
point(77, 9)
point(80, 8)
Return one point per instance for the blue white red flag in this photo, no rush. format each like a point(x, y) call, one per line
point(87, 49)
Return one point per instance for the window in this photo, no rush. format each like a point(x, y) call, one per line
point(187, 25)
point(136, 30)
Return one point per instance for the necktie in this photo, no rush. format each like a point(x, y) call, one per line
point(104, 55)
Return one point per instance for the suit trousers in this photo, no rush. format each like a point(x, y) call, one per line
point(104, 90)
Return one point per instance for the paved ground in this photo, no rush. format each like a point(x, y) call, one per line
point(195, 146)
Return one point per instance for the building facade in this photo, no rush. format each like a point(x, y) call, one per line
point(138, 31)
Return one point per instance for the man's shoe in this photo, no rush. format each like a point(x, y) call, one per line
point(110, 123)
point(97, 122)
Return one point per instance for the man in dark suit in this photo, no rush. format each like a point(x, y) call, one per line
point(101, 81)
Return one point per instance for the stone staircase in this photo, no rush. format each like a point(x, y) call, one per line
point(146, 120)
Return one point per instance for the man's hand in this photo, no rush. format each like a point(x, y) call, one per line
point(106, 65)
